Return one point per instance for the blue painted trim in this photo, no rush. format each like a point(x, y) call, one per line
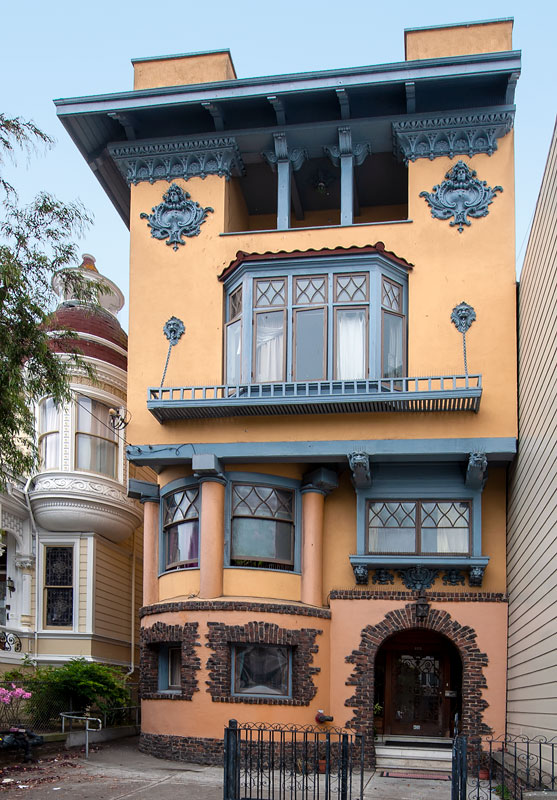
point(440, 561)
point(169, 488)
point(179, 483)
point(263, 478)
point(163, 678)
point(501, 449)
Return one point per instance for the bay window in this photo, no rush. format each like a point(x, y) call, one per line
point(96, 442)
point(315, 324)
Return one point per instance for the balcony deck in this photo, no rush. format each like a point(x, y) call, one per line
point(384, 395)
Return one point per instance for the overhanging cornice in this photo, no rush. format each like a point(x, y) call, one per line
point(158, 456)
point(483, 63)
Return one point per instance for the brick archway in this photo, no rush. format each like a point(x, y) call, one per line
point(463, 637)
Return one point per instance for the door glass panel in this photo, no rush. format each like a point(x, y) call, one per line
point(310, 344)
point(350, 338)
point(417, 694)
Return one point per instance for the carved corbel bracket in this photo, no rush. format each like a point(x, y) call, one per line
point(476, 471)
point(361, 472)
point(295, 155)
point(418, 577)
point(358, 152)
point(361, 573)
point(476, 576)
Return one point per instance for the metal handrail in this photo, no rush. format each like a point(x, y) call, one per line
point(66, 715)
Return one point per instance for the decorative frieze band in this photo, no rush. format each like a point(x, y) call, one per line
point(459, 134)
point(169, 159)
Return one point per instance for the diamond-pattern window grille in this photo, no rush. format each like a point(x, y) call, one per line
point(270, 293)
point(181, 506)
point(261, 501)
point(351, 288)
point(391, 296)
point(311, 291)
point(235, 308)
point(445, 515)
point(392, 515)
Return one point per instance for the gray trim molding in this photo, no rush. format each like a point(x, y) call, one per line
point(144, 491)
point(450, 135)
point(158, 456)
point(169, 159)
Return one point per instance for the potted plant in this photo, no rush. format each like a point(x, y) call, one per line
point(378, 719)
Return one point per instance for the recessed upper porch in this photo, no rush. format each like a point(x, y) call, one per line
point(441, 393)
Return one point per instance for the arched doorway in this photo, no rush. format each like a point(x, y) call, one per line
point(418, 684)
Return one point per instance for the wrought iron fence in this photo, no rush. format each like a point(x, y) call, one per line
point(505, 766)
point(298, 762)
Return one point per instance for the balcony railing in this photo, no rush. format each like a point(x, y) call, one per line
point(434, 393)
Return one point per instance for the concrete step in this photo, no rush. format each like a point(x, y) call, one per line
point(425, 759)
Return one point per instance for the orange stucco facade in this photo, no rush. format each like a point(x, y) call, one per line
point(316, 588)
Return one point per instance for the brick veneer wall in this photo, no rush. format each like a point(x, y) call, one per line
point(183, 748)
point(302, 642)
point(402, 619)
point(186, 636)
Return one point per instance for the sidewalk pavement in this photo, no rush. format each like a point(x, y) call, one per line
point(117, 770)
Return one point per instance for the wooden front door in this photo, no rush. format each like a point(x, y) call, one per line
point(418, 676)
point(417, 681)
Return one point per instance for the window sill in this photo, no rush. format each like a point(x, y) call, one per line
point(428, 394)
point(261, 700)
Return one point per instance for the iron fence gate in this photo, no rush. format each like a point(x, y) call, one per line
point(292, 762)
point(504, 767)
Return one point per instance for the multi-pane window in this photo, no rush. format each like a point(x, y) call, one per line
point(181, 529)
point(49, 434)
point(261, 670)
point(315, 326)
point(262, 527)
point(96, 442)
point(58, 586)
point(427, 527)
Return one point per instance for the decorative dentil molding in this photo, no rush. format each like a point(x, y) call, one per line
point(296, 155)
point(460, 195)
point(361, 472)
point(170, 159)
point(457, 134)
point(176, 216)
point(358, 152)
point(418, 577)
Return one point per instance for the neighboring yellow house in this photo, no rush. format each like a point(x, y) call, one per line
point(71, 566)
point(322, 373)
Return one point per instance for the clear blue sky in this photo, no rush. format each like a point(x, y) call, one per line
point(66, 48)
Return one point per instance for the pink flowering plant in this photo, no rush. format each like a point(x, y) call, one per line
point(11, 701)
